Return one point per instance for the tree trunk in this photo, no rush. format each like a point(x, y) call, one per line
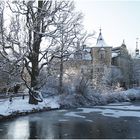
point(35, 56)
point(35, 67)
point(61, 77)
point(32, 100)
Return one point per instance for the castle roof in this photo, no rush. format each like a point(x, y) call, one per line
point(137, 57)
point(100, 41)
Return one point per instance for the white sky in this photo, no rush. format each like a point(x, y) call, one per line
point(118, 19)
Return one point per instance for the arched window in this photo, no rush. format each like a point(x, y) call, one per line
point(102, 54)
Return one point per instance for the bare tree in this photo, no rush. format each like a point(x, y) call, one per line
point(69, 28)
point(111, 77)
point(10, 72)
point(33, 22)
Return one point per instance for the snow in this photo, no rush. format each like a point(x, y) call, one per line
point(22, 105)
point(63, 120)
point(136, 57)
point(93, 97)
point(74, 114)
point(114, 54)
point(100, 41)
point(117, 114)
point(130, 107)
point(87, 56)
point(88, 120)
point(87, 49)
point(62, 110)
point(132, 93)
point(109, 111)
point(114, 109)
point(124, 109)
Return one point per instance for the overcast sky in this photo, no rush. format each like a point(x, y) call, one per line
point(118, 19)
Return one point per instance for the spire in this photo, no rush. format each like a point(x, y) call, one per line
point(100, 40)
point(123, 44)
point(100, 29)
point(137, 50)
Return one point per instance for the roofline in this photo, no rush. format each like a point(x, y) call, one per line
point(116, 48)
point(102, 46)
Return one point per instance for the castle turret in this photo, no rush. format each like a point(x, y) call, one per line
point(101, 58)
point(101, 52)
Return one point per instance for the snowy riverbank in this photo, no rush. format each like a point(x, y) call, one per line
point(95, 98)
point(20, 106)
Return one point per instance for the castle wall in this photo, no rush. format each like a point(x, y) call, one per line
point(100, 63)
point(96, 57)
point(75, 67)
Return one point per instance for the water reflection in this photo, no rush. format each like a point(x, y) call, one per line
point(18, 129)
point(41, 129)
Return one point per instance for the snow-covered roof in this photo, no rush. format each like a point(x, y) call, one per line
point(114, 54)
point(87, 54)
point(87, 49)
point(100, 41)
point(102, 49)
point(137, 57)
point(116, 50)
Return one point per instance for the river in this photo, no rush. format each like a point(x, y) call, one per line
point(117, 121)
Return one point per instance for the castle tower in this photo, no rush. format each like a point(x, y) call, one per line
point(101, 52)
point(101, 57)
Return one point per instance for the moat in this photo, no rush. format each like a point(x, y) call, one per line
point(117, 121)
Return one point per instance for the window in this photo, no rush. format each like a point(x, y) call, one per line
point(102, 54)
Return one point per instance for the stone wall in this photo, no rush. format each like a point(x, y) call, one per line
point(97, 59)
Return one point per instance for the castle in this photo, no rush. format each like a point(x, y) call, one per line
point(106, 64)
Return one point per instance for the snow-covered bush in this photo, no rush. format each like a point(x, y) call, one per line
point(92, 97)
point(133, 94)
point(115, 97)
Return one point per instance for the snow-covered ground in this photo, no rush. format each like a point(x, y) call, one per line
point(20, 105)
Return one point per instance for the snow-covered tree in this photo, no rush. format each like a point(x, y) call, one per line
point(69, 29)
point(10, 71)
point(31, 36)
point(111, 77)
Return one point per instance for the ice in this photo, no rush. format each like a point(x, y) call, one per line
point(63, 120)
point(74, 114)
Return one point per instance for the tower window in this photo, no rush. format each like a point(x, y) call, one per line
point(102, 54)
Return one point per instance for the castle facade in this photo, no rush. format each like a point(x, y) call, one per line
point(106, 64)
